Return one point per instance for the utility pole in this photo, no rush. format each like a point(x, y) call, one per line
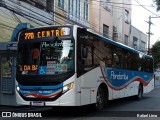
point(149, 32)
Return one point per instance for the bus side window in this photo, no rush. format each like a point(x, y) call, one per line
point(129, 61)
point(125, 62)
point(133, 62)
point(107, 57)
point(149, 65)
point(120, 56)
point(142, 64)
point(116, 61)
point(108, 61)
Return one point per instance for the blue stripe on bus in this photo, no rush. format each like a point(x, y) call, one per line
point(41, 92)
point(41, 87)
point(119, 78)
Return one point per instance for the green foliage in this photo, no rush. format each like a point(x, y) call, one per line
point(156, 53)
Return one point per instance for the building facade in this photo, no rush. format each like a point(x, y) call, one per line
point(138, 40)
point(122, 11)
point(72, 12)
point(14, 12)
point(101, 18)
point(106, 17)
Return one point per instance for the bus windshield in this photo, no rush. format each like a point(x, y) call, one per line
point(45, 57)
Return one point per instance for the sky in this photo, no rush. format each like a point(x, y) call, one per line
point(141, 14)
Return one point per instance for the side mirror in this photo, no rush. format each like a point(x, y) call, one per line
point(85, 52)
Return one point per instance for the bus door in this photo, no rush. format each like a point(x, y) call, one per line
point(86, 72)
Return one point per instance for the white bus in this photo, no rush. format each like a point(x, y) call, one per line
point(71, 66)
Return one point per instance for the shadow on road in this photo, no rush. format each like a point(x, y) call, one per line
point(89, 111)
point(125, 101)
point(69, 111)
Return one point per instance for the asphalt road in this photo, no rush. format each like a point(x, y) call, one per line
point(126, 107)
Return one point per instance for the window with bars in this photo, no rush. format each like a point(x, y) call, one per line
point(105, 30)
point(126, 17)
point(135, 41)
point(74, 9)
point(85, 14)
point(78, 8)
point(41, 4)
point(106, 5)
point(143, 44)
point(61, 4)
point(126, 39)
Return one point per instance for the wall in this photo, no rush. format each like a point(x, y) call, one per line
point(100, 13)
point(141, 37)
point(123, 27)
point(67, 12)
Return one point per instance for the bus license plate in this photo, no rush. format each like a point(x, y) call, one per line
point(37, 103)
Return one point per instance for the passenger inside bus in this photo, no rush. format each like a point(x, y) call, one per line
point(108, 61)
point(35, 54)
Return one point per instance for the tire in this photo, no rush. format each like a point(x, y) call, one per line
point(140, 92)
point(100, 100)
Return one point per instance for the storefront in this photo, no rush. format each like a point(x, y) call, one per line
point(8, 52)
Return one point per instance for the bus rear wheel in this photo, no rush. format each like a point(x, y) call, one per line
point(100, 100)
point(140, 92)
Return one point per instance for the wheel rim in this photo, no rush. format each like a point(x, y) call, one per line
point(100, 100)
point(140, 93)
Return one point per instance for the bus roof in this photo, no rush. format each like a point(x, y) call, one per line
point(120, 44)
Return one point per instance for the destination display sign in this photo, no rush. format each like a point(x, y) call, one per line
point(45, 32)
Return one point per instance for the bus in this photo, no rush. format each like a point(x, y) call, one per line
point(68, 65)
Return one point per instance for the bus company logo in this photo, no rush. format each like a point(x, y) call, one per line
point(118, 76)
point(6, 114)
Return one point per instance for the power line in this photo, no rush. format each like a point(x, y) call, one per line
point(122, 3)
point(145, 8)
point(25, 12)
point(62, 16)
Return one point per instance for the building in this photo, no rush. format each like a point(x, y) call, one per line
point(122, 11)
point(34, 12)
point(138, 40)
point(72, 12)
point(111, 19)
point(101, 18)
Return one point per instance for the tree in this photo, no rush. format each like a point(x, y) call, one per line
point(156, 53)
point(158, 4)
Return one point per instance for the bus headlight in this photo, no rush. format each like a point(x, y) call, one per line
point(17, 88)
point(68, 87)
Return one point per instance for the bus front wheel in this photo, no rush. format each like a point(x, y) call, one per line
point(100, 100)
